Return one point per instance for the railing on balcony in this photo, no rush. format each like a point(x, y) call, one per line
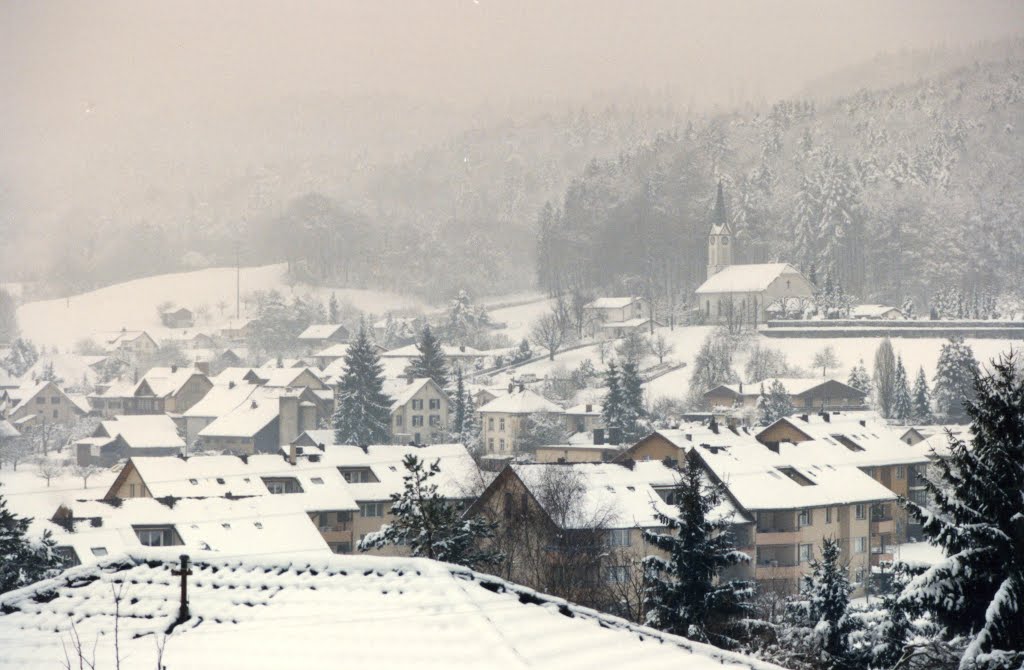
point(337, 527)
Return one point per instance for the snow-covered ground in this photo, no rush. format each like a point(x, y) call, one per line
point(518, 319)
point(133, 304)
point(28, 495)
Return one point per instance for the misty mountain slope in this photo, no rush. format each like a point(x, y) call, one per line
point(895, 193)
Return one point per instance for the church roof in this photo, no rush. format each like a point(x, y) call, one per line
point(745, 278)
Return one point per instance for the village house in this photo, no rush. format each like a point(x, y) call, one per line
point(237, 330)
point(324, 357)
point(592, 447)
point(271, 363)
point(33, 404)
point(161, 390)
point(129, 436)
point(265, 420)
point(396, 329)
point(128, 345)
point(804, 394)
point(502, 419)
point(883, 312)
point(746, 294)
point(318, 336)
point(584, 418)
point(177, 317)
point(419, 410)
point(605, 316)
point(862, 440)
point(375, 472)
point(218, 401)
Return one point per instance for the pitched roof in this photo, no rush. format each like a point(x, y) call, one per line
point(612, 303)
point(249, 417)
point(795, 386)
point(221, 399)
point(854, 438)
point(335, 350)
point(274, 611)
point(401, 391)
point(745, 278)
point(283, 377)
point(142, 431)
point(523, 402)
point(168, 381)
point(7, 430)
point(872, 310)
point(320, 331)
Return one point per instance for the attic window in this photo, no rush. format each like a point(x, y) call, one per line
point(194, 482)
point(317, 480)
point(796, 476)
point(220, 480)
point(258, 524)
point(99, 551)
point(226, 526)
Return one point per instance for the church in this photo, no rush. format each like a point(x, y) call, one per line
point(746, 294)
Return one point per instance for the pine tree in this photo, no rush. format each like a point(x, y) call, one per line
point(859, 378)
point(430, 525)
point(459, 403)
point(614, 404)
point(902, 406)
point(954, 379)
point(975, 517)
point(363, 412)
point(431, 360)
point(22, 561)
point(817, 622)
point(921, 410)
point(634, 420)
point(885, 378)
point(684, 595)
point(773, 404)
point(332, 309)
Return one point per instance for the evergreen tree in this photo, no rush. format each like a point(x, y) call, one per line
point(634, 420)
point(773, 404)
point(332, 309)
point(684, 595)
point(954, 379)
point(975, 517)
point(363, 411)
point(885, 378)
point(902, 406)
point(23, 356)
point(22, 561)
point(921, 409)
point(859, 378)
point(459, 403)
point(614, 405)
point(431, 360)
point(430, 525)
point(817, 624)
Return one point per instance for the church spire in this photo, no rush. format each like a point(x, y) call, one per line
point(719, 239)
point(719, 214)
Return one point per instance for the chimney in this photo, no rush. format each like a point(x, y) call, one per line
point(231, 384)
point(293, 453)
point(521, 387)
point(863, 423)
point(511, 387)
point(714, 427)
point(408, 380)
point(174, 368)
point(599, 436)
point(805, 418)
point(254, 405)
point(741, 388)
point(590, 408)
point(827, 417)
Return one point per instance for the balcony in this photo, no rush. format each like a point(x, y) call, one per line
point(778, 535)
point(884, 526)
point(770, 572)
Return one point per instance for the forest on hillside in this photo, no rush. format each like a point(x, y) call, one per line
point(905, 192)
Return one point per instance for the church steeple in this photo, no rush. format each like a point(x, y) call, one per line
point(720, 237)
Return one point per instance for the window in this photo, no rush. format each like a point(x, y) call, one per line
point(194, 482)
point(901, 472)
point(417, 420)
point(435, 403)
point(806, 553)
point(862, 511)
point(40, 400)
point(435, 420)
point(341, 547)
point(804, 518)
point(317, 480)
point(618, 573)
point(258, 524)
point(398, 420)
point(368, 509)
point(510, 507)
point(278, 485)
point(417, 404)
point(490, 423)
point(131, 490)
point(919, 496)
point(55, 415)
point(156, 536)
point(619, 537)
point(501, 444)
point(501, 425)
point(860, 545)
point(358, 475)
point(490, 444)
point(98, 551)
point(828, 515)
point(55, 400)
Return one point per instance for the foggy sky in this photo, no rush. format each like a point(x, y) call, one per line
point(99, 95)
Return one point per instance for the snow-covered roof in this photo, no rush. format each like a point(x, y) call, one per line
point(249, 417)
point(272, 363)
point(320, 331)
point(451, 351)
point(333, 351)
point(794, 386)
point(284, 377)
point(234, 375)
point(855, 438)
point(760, 479)
point(280, 610)
point(457, 479)
point(610, 495)
point(745, 278)
point(142, 431)
point(628, 323)
point(521, 402)
point(7, 430)
point(221, 399)
point(869, 311)
point(612, 303)
point(168, 381)
point(587, 409)
point(112, 340)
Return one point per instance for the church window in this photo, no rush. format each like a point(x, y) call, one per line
point(725, 241)
point(712, 241)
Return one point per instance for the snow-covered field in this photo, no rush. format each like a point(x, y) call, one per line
point(518, 319)
point(28, 495)
point(133, 304)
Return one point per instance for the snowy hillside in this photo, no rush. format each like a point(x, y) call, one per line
point(133, 304)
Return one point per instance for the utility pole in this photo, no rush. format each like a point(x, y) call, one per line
point(184, 572)
point(238, 281)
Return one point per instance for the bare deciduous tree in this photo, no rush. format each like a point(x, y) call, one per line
point(661, 347)
point(48, 468)
point(548, 332)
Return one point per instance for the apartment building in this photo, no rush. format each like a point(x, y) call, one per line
point(502, 419)
point(419, 410)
